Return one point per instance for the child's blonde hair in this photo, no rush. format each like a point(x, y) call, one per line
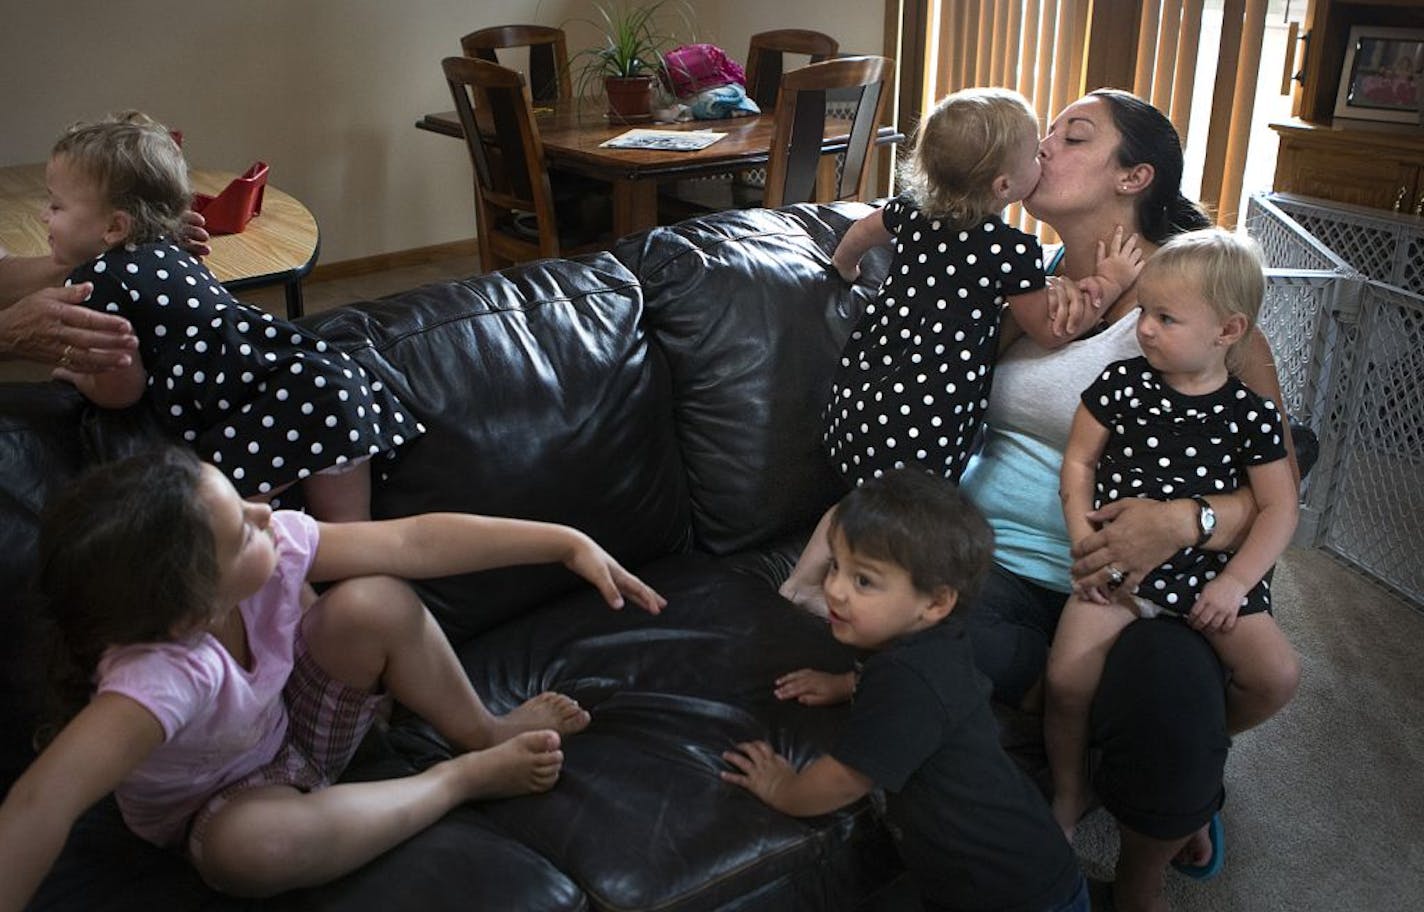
point(138, 168)
point(1226, 268)
point(960, 147)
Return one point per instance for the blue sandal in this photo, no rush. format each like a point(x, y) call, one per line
point(1217, 860)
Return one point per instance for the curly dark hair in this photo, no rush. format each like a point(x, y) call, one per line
point(126, 555)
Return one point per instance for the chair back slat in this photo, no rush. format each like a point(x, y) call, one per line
point(807, 112)
point(855, 166)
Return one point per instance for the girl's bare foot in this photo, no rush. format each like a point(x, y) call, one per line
point(526, 763)
point(546, 710)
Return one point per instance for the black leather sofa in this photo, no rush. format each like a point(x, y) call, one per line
point(665, 398)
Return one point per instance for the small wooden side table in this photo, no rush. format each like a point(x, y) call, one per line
point(278, 247)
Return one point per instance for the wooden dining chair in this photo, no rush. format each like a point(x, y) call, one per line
point(796, 164)
point(796, 169)
point(766, 59)
point(515, 212)
point(765, 64)
point(548, 56)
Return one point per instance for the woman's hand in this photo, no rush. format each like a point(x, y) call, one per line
point(1070, 309)
point(815, 688)
point(193, 236)
point(51, 326)
point(1134, 537)
point(596, 565)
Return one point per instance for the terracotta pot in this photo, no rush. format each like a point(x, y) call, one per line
point(630, 98)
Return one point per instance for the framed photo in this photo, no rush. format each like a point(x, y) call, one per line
point(1383, 78)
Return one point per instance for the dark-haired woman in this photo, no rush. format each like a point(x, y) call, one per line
point(1110, 161)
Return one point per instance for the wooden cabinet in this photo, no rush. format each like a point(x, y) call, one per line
point(1363, 167)
point(1334, 159)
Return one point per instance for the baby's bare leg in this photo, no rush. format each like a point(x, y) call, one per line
point(374, 631)
point(1075, 666)
point(345, 497)
point(271, 839)
point(803, 586)
point(1265, 670)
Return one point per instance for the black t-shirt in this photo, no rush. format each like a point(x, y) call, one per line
point(969, 823)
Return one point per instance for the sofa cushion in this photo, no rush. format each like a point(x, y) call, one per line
point(752, 318)
point(541, 399)
point(668, 694)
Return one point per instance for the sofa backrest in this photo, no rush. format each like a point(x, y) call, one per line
point(752, 318)
point(542, 399)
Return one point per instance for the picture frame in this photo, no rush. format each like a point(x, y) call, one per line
point(1383, 75)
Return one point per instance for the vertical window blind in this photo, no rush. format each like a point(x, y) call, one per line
point(1052, 51)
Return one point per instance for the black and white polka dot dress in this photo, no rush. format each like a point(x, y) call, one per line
point(914, 376)
point(1167, 445)
point(266, 401)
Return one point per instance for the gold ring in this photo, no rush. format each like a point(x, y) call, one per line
point(64, 356)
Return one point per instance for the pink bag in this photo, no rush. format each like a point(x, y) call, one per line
point(692, 68)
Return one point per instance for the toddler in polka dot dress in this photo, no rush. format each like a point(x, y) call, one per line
point(1175, 424)
point(266, 401)
point(914, 376)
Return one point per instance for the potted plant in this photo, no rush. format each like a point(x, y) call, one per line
point(630, 58)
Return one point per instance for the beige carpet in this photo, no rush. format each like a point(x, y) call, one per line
point(1325, 802)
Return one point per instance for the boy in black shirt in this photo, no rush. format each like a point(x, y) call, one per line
point(970, 825)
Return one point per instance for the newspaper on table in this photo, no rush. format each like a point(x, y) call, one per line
point(664, 140)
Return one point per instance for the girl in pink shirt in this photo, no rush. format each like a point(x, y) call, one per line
point(221, 697)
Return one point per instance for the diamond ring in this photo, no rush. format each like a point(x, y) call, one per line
point(1115, 577)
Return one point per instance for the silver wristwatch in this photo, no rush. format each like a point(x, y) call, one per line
point(1206, 521)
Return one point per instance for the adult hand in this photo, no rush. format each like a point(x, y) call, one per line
point(1134, 537)
point(50, 327)
point(1070, 309)
point(193, 236)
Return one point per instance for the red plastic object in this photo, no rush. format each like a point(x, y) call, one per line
point(230, 211)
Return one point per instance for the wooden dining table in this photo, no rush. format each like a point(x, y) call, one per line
point(573, 132)
point(277, 247)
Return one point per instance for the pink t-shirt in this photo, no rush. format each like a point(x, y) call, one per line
point(220, 721)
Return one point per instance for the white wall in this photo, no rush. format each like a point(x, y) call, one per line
point(325, 91)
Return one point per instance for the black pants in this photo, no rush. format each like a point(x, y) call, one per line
point(1158, 724)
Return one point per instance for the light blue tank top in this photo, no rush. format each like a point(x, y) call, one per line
point(1013, 480)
